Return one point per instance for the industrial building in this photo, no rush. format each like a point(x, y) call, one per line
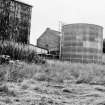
point(50, 40)
point(82, 43)
point(15, 21)
point(38, 50)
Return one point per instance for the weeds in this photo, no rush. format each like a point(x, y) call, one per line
point(4, 90)
point(56, 72)
point(19, 51)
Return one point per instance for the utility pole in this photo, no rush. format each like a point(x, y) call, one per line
point(61, 36)
point(61, 24)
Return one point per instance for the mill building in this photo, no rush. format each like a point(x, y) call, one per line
point(50, 40)
point(15, 21)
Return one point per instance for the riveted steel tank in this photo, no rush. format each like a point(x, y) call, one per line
point(82, 42)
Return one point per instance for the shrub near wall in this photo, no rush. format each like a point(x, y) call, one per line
point(18, 51)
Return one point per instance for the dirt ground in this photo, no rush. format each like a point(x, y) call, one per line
point(31, 92)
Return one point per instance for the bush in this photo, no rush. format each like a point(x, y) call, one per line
point(18, 51)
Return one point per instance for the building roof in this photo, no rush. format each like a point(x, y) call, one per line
point(37, 46)
point(54, 32)
point(86, 24)
point(22, 3)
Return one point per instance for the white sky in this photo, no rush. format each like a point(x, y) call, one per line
point(48, 13)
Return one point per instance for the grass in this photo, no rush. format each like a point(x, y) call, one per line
point(54, 71)
point(5, 90)
point(46, 83)
point(79, 73)
point(59, 72)
point(18, 51)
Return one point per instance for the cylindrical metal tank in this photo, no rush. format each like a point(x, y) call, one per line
point(82, 43)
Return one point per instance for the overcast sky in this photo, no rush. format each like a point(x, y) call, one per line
point(48, 13)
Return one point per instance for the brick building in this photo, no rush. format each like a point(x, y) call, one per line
point(15, 21)
point(50, 40)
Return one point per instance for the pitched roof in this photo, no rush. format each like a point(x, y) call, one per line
point(54, 32)
point(20, 2)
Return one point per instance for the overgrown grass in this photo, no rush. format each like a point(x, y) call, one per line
point(18, 51)
point(79, 73)
point(5, 90)
point(55, 71)
point(59, 72)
